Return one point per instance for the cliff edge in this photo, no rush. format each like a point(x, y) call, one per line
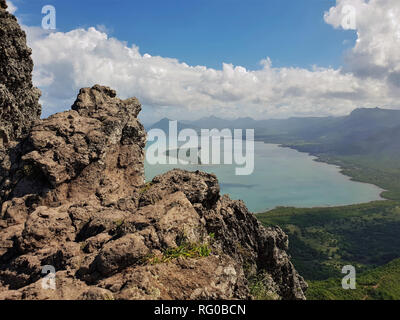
point(73, 196)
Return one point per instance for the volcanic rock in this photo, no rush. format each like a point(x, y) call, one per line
point(19, 100)
point(73, 196)
point(76, 199)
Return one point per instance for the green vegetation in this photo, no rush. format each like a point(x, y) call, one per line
point(146, 188)
point(382, 283)
point(28, 170)
point(184, 250)
point(366, 146)
point(323, 240)
point(259, 288)
point(108, 297)
point(187, 250)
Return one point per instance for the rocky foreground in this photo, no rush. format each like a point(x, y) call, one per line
point(74, 197)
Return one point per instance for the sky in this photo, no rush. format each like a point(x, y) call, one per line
point(186, 59)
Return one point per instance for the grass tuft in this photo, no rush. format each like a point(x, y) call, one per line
point(184, 250)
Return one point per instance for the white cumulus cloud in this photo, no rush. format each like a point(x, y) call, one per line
point(377, 50)
point(65, 62)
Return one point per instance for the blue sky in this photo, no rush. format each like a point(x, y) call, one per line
point(186, 59)
point(210, 32)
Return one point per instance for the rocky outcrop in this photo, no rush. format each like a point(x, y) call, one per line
point(73, 196)
point(19, 106)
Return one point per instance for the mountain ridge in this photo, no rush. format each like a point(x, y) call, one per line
point(360, 132)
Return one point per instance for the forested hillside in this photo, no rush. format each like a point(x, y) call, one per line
point(323, 240)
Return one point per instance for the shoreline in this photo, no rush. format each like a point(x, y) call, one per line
point(318, 159)
point(342, 170)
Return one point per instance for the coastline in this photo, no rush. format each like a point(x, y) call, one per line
point(342, 170)
point(340, 166)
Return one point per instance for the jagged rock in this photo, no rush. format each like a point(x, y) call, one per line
point(19, 100)
point(45, 226)
point(121, 253)
point(214, 277)
point(93, 153)
point(71, 204)
point(198, 187)
point(73, 196)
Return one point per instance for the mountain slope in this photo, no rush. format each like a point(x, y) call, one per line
point(382, 283)
point(323, 240)
point(164, 124)
point(364, 131)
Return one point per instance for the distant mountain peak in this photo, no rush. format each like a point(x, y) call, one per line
point(211, 118)
point(375, 112)
point(245, 119)
point(165, 119)
point(370, 110)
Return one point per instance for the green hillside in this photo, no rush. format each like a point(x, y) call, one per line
point(382, 283)
point(323, 240)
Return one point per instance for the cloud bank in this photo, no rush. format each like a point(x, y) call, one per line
point(376, 54)
point(65, 62)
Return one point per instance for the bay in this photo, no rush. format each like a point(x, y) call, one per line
point(283, 177)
